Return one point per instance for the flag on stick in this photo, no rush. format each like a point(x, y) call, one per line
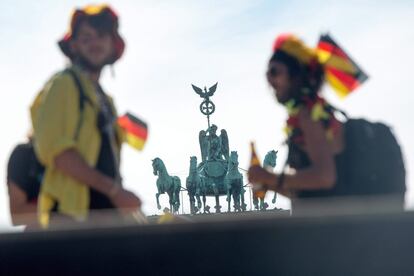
point(136, 131)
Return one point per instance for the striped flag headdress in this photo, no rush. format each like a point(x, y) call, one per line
point(341, 72)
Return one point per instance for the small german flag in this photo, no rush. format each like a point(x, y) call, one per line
point(342, 73)
point(136, 131)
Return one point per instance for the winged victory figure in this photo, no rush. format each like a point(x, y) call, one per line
point(224, 144)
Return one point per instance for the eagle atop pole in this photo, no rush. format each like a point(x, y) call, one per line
point(207, 107)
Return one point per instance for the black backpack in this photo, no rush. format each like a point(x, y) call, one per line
point(371, 164)
point(376, 156)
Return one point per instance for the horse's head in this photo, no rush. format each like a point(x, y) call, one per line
point(193, 163)
point(156, 165)
point(270, 159)
point(233, 160)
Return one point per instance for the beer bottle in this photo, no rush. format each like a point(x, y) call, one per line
point(258, 189)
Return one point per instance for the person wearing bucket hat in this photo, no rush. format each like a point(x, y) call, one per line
point(330, 157)
point(77, 43)
point(74, 121)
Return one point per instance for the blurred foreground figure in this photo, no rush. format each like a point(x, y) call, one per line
point(24, 176)
point(76, 136)
point(329, 157)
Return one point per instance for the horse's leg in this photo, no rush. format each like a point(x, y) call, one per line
point(197, 198)
point(229, 192)
point(218, 207)
point(243, 204)
point(191, 196)
point(239, 198)
point(263, 205)
point(177, 202)
point(233, 194)
point(204, 204)
point(274, 198)
point(236, 199)
point(175, 199)
point(228, 197)
point(198, 202)
point(255, 202)
point(197, 194)
point(203, 198)
point(216, 194)
point(171, 201)
point(197, 206)
point(193, 205)
point(157, 196)
point(160, 190)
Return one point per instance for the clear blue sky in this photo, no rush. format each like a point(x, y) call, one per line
point(171, 44)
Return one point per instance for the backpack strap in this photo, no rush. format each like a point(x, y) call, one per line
point(82, 99)
point(342, 112)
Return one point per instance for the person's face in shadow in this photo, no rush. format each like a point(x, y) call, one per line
point(94, 47)
point(285, 87)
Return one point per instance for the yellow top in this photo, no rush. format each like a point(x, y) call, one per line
point(55, 117)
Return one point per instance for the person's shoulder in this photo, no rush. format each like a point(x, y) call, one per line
point(61, 76)
point(59, 83)
point(59, 79)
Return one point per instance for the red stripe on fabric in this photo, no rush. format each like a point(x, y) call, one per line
point(133, 119)
point(332, 48)
point(133, 128)
point(325, 46)
point(136, 120)
point(347, 80)
point(281, 39)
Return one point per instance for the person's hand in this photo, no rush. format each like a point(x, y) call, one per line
point(125, 200)
point(259, 175)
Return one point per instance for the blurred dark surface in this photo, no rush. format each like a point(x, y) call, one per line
point(370, 244)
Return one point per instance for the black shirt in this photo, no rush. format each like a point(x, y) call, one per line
point(106, 162)
point(106, 166)
point(25, 171)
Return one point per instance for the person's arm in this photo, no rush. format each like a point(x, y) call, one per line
point(321, 174)
point(55, 123)
point(71, 163)
point(22, 212)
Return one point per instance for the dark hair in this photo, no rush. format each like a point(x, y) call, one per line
point(102, 23)
point(312, 75)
